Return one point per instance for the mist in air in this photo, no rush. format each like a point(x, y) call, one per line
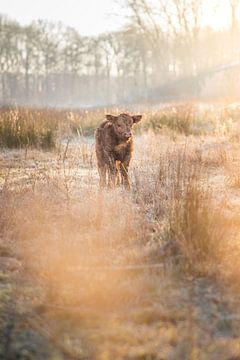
point(164, 50)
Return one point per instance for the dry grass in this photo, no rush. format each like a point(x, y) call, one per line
point(24, 128)
point(175, 195)
point(232, 167)
point(43, 128)
point(75, 245)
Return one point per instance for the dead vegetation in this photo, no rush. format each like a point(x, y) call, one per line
point(116, 274)
point(43, 128)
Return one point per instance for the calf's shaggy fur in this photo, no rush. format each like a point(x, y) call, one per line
point(114, 147)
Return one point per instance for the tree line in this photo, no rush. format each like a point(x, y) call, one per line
point(49, 64)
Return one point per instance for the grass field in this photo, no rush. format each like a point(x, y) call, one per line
point(43, 128)
point(149, 273)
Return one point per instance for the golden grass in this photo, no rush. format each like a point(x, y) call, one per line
point(43, 128)
point(75, 244)
point(232, 167)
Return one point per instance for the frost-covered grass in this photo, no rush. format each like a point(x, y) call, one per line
point(83, 284)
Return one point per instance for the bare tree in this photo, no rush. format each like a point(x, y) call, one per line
point(164, 42)
point(50, 37)
point(234, 5)
point(28, 54)
point(9, 31)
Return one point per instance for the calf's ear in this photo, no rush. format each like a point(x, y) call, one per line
point(111, 118)
point(136, 118)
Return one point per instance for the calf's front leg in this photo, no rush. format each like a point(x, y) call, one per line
point(124, 171)
point(112, 172)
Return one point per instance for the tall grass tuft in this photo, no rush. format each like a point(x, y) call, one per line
point(195, 230)
point(21, 128)
point(178, 118)
point(40, 128)
point(176, 198)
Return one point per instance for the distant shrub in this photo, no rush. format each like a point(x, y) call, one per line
point(178, 118)
point(193, 119)
point(40, 128)
point(20, 128)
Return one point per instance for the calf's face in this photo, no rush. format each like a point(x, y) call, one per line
point(122, 124)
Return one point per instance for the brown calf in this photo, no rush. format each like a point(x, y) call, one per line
point(114, 147)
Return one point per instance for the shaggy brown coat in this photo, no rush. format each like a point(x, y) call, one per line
point(114, 147)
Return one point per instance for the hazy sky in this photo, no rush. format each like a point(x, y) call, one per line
point(88, 16)
point(91, 17)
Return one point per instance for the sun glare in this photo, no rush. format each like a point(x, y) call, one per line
point(217, 14)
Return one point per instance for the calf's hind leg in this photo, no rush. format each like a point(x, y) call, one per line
point(124, 175)
point(118, 173)
point(112, 173)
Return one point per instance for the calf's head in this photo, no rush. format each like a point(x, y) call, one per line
point(122, 124)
